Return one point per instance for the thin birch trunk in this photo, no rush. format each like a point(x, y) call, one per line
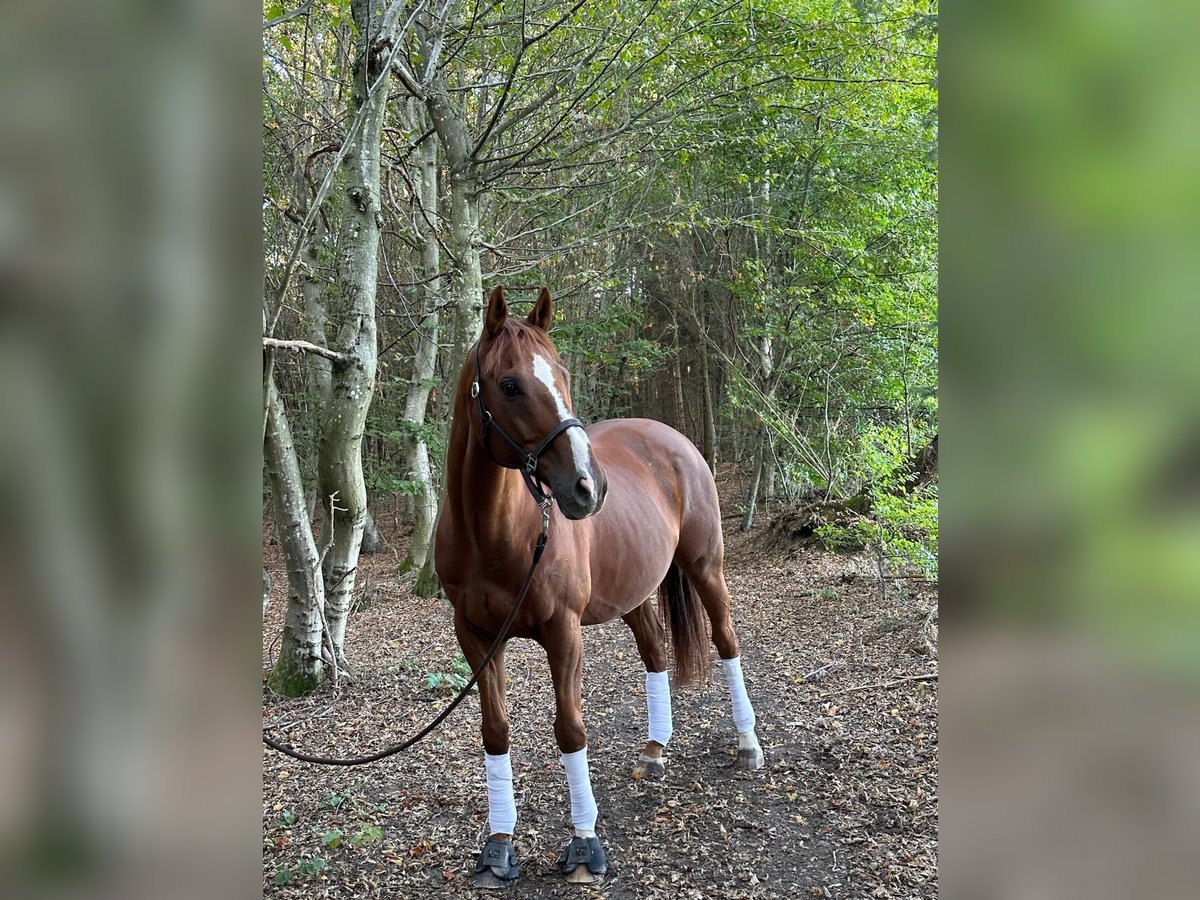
point(769, 468)
point(299, 667)
point(425, 504)
point(467, 283)
point(752, 493)
point(317, 369)
point(710, 418)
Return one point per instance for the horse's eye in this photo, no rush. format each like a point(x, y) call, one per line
point(510, 388)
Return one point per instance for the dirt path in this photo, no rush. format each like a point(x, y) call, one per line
point(846, 806)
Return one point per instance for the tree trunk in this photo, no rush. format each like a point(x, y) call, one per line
point(752, 493)
point(299, 668)
point(417, 463)
point(317, 369)
point(709, 414)
point(428, 584)
point(340, 469)
point(923, 467)
point(768, 467)
point(677, 406)
point(467, 283)
point(371, 542)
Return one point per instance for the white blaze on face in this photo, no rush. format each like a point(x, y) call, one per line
point(580, 446)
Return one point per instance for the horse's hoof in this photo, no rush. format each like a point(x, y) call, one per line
point(750, 758)
point(649, 767)
point(497, 865)
point(582, 861)
point(488, 881)
point(581, 875)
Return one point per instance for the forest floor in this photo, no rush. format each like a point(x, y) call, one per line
point(846, 806)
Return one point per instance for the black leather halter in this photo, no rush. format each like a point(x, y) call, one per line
point(528, 465)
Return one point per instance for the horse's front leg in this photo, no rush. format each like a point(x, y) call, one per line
point(583, 859)
point(497, 864)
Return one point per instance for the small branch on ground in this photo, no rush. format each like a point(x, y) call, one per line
point(932, 676)
point(822, 671)
point(288, 726)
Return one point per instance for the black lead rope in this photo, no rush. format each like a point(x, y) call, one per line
point(538, 549)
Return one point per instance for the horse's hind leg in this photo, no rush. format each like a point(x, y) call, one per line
point(651, 639)
point(708, 580)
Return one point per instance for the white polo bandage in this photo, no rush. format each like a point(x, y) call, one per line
point(743, 712)
point(502, 804)
point(658, 706)
point(583, 803)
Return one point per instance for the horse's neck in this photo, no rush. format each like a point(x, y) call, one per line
point(489, 502)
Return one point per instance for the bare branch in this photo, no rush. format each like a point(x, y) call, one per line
point(883, 685)
point(305, 347)
point(301, 10)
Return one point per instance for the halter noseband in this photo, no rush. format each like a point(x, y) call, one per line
point(529, 466)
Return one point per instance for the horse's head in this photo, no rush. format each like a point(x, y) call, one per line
point(527, 392)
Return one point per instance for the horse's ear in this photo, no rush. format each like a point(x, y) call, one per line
point(543, 311)
point(497, 313)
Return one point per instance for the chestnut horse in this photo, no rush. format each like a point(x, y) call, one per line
point(636, 514)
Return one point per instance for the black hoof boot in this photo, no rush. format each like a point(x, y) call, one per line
point(582, 861)
point(497, 865)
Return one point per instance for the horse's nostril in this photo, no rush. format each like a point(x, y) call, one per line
point(584, 487)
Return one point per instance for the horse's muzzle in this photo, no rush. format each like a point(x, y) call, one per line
point(585, 497)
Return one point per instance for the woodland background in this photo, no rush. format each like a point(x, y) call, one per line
point(735, 207)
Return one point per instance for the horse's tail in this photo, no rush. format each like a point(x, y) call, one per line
point(689, 634)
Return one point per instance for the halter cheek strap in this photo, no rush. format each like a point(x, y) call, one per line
point(529, 462)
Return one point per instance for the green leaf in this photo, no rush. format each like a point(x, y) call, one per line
point(333, 838)
point(368, 834)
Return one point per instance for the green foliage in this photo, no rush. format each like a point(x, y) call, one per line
point(391, 435)
point(455, 680)
point(333, 838)
point(902, 525)
point(308, 867)
point(608, 340)
point(334, 800)
point(366, 834)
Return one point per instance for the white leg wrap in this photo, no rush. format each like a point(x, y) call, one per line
point(583, 803)
point(502, 804)
point(743, 712)
point(658, 706)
